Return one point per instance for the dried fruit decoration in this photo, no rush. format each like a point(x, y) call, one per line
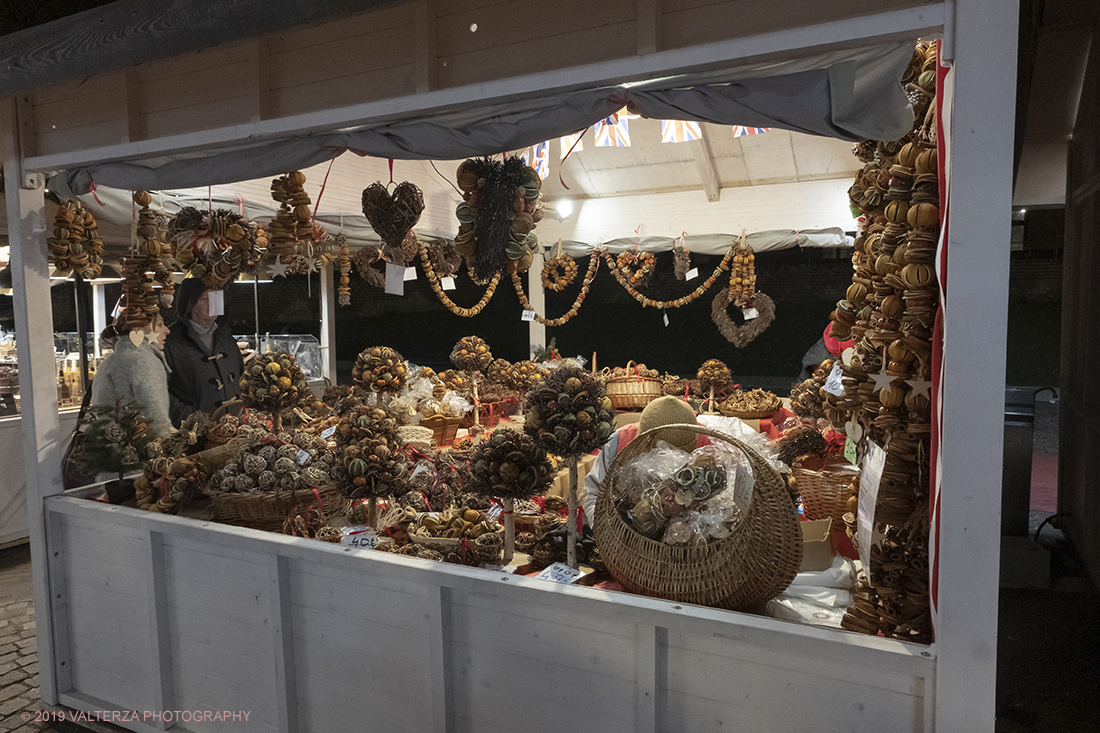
point(569, 413)
point(524, 375)
point(472, 354)
point(380, 369)
point(369, 448)
point(510, 464)
point(273, 382)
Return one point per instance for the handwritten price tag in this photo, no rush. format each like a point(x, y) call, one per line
point(559, 573)
point(833, 384)
point(365, 538)
point(448, 283)
point(850, 451)
point(328, 432)
point(528, 316)
point(302, 456)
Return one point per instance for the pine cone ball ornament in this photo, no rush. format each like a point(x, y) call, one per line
point(569, 412)
point(273, 382)
point(472, 354)
point(380, 369)
point(511, 465)
point(714, 373)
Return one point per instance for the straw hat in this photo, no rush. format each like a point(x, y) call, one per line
point(669, 410)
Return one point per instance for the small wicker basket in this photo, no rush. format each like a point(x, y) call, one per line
point(268, 510)
point(754, 564)
point(825, 491)
point(633, 392)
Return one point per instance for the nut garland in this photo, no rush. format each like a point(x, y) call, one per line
point(559, 272)
point(75, 245)
point(213, 246)
point(569, 413)
point(511, 465)
point(449, 304)
point(380, 369)
point(650, 303)
point(589, 276)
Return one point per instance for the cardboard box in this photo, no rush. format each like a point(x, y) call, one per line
point(817, 545)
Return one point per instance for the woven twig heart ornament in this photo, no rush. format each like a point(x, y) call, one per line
point(392, 216)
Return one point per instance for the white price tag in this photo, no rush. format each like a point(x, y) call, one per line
point(328, 432)
point(749, 313)
point(692, 274)
point(365, 538)
point(395, 279)
point(420, 468)
point(303, 456)
point(869, 478)
point(665, 319)
point(559, 573)
point(448, 283)
point(410, 274)
point(833, 384)
point(217, 302)
point(528, 316)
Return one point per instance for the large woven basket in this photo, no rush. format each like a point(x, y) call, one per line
point(633, 392)
point(754, 564)
point(825, 491)
point(268, 510)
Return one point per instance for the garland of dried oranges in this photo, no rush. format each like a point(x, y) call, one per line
point(437, 288)
point(649, 302)
point(589, 276)
point(559, 272)
point(645, 262)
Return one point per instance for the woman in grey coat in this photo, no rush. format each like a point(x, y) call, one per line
point(206, 364)
point(137, 374)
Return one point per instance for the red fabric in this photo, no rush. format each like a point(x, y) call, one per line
point(769, 426)
point(833, 344)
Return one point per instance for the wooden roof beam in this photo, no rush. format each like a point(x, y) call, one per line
point(708, 175)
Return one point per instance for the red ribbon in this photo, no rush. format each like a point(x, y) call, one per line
point(317, 205)
point(391, 170)
point(320, 504)
point(570, 152)
point(93, 192)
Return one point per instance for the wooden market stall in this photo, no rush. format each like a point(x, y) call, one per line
point(141, 612)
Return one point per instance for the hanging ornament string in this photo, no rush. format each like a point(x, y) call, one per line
point(317, 204)
point(589, 276)
point(93, 191)
point(391, 170)
point(437, 288)
point(650, 303)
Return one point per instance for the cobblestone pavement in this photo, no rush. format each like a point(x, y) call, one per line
point(19, 702)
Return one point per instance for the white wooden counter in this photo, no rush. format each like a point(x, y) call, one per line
point(14, 527)
point(159, 613)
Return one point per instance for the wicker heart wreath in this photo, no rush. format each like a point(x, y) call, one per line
point(392, 216)
point(743, 335)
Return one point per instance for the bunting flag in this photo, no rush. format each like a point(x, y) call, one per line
point(679, 131)
point(612, 133)
point(568, 141)
point(741, 131)
point(541, 162)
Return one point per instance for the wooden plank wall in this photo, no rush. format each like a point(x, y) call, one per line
point(164, 613)
point(395, 51)
point(14, 526)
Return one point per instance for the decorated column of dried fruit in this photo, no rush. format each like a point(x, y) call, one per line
point(75, 245)
point(292, 232)
point(511, 465)
point(889, 310)
point(712, 375)
point(501, 205)
point(274, 382)
point(381, 370)
point(472, 354)
point(569, 414)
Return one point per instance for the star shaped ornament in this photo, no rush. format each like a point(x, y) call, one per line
point(882, 380)
point(313, 264)
point(278, 269)
point(920, 387)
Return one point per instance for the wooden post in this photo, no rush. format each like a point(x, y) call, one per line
point(537, 297)
point(571, 544)
point(277, 421)
point(509, 530)
point(42, 439)
point(477, 402)
point(328, 323)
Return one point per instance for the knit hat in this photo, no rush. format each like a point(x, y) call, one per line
point(188, 293)
point(670, 410)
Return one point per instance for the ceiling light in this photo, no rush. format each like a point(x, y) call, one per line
point(564, 208)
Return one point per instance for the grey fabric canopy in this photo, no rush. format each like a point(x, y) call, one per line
point(852, 94)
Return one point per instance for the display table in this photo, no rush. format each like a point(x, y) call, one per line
point(156, 613)
point(13, 484)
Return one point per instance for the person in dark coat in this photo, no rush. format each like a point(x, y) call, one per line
point(204, 358)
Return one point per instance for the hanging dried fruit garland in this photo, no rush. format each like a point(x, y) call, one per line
point(214, 245)
point(637, 267)
point(647, 302)
point(75, 245)
point(501, 205)
point(153, 248)
point(559, 272)
point(437, 288)
point(589, 276)
point(292, 233)
point(343, 291)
